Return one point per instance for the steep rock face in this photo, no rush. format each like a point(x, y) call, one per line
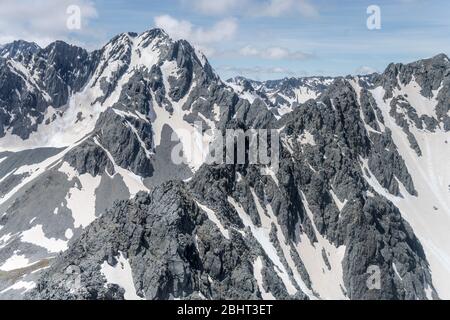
point(173, 250)
point(320, 195)
point(21, 108)
point(90, 158)
point(429, 77)
point(34, 79)
point(127, 140)
point(19, 49)
point(63, 69)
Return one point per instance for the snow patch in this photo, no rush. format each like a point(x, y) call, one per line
point(306, 138)
point(429, 212)
point(340, 204)
point(81, 198)
point(64, 131)
point(36, 236)
point(262, 235)
point(411, 92)
point(23, 286)
point(68, 234)
point(195, 144)
point(121, 275)
point(240, 91)
point(16, 261)
point(5, 239)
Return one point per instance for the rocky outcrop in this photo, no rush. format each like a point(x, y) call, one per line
point(433, 77)
point(173, 249)
point(32, 79)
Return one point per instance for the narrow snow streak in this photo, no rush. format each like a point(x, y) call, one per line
point(213, 217)
point(340, 204)
point(133, 182)
point(329, 284)
point(257, 269)
point(262, 235)
point(269, 219)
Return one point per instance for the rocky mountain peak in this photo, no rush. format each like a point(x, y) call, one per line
point(424, 83)
point(428, 73)
point(18, 48)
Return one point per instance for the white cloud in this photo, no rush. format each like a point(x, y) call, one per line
point(265, 8)
point(276, 8)
point(42, 21)
point(258, 72)
point(216, 7)
point(276, 53)
point(178, 29)
point(273, 53)
point(202, 38)
point(249, 51)
point(183, 29)
point(364, 70)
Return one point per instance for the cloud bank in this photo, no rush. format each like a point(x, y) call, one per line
point(274, 53)
point(201, 37)
point(263, 8)
point(42, 21)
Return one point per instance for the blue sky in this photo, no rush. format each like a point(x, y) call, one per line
point(261, 39)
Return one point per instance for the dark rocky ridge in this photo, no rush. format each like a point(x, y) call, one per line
point(33, 79)
point(431, 74)
point(173, 249)
point(19, 49)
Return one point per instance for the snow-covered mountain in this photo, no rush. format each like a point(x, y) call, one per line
point(282, 96)
point(18, 48)
point(92, 207)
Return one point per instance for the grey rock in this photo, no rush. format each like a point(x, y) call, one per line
point(174, 252)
